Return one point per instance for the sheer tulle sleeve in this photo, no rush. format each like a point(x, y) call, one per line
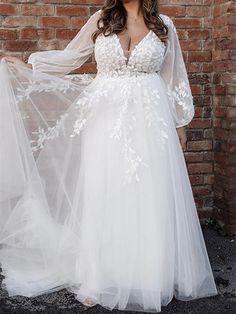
point(77, 52)
point(173, 72)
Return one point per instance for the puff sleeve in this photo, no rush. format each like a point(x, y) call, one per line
point(77, 52)
point(173, 72)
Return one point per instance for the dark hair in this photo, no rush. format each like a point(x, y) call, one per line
point(114, 17)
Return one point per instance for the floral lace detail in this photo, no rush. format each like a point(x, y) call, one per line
point(123, 130)
point(151, 100)
point(84, 111)
point(27, 89)
point(180, 93)
point(179, 97)
point(146, 57)
point(134, 161)
point(152, 116)
point(48, 134)
point(83, 79)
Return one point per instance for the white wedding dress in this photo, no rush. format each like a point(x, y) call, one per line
point(95, 196)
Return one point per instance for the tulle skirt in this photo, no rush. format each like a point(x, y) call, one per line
point(95, 194)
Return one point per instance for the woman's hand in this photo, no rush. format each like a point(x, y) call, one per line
point(16, 61)
point(182, 137)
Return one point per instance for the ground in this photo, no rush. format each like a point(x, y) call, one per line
point(222, 254)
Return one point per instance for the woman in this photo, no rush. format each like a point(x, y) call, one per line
point(104, 208)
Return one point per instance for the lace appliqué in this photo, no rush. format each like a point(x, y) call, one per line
point(123, 130)
point(26, 92)
point(146, 57)
point(28, 88)
point(133, 159)
point(83, 80)
point(84, 109)
point(151, 100)
point(152, 115)
point(180, 97)
point(50, 133)
point(180, 93)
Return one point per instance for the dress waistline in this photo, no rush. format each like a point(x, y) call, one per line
point(124, 74)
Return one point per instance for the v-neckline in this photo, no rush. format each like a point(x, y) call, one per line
point(131, 52)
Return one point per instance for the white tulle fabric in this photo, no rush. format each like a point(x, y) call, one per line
point(95, 196)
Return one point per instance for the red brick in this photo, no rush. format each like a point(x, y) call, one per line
point(193, 156)
point(72, 10)
point(8, 9)
point(58, 1)
point(66, 33)
point(231, 112)
point(23, 45)
point(54, 21)
point(199, 34)
point(200, 123)
point(46, 33)
point(200, 168)
point(174, 10)
point(29, 33)
point(95, 2)
point(196, 180)
point(191, 45)
point(30, 9)
point(208, 155)
point(187, 23)
point(34, 33)
point(7, 34)
point(199, 145)
point(198, 11)
point(202, 190)
point(48, 44)
point(208, 179)
point(199, 56)
point(13, 21)
point(78, 22)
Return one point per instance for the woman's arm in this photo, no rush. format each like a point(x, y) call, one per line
point(174, 73)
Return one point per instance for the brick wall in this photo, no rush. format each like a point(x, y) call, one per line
point(193, 22)
point(224, 114)
point(205, 29)
point(31, 25)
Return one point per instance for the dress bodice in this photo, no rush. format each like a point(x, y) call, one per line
point(149, 57)
point(146, 57)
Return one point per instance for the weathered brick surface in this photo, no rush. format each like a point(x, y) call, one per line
point(205, 29)
point(224, 109)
